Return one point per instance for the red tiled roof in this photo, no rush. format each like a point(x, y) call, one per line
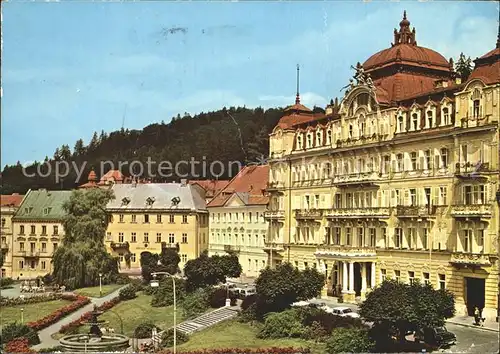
point(11, 200)
point(487, 68)
point(116, 175)
point(211, 187)
point(491, 53)
point(291, 120)
point(251, 181)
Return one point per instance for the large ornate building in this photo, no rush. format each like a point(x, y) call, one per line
point(397, 180)
point(9, 205)
point(237, 221)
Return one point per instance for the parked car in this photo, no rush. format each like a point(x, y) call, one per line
point(437, 336)
point(300, 304)
point(344, 312)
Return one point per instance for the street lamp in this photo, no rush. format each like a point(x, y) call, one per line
point(100, 284)
point(22, 316)
point(154, 284)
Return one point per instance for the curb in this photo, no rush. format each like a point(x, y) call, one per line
point(473, 326)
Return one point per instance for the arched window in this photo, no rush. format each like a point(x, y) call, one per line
point(299, 142)
point(414, 121)
point(319, 140)
point(446, 116)
point(401, 124)
point(350, 130)
point(329, 136)
point(309, 140)
point(430, 119)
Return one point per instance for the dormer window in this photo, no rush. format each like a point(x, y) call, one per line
point(46, 211)
point(329, 137)
point(401, 124)
point(350, 130)
point(309, 140)
point(446, 116)
point(476, 109)
point(150, 201)
point(362, 129)
point(299, 142)
point(176, 200)
point(28, 210)
point(125, 201)
point(319, 139)
point(430, 119)
point(414, 121)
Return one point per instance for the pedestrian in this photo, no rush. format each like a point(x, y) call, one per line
point(481, 318)
point(476, 316)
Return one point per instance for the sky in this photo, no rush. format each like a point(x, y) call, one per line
point(70, 68)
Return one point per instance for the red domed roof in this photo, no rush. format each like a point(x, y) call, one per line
point(407, 53)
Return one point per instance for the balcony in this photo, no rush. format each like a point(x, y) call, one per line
point(471, 210)
point(308, 213)
point(274, 214)
point(169, 245)
point(4, 246)
point(345, 252)
point(461, 259)
point(274, 247)
point(361, 179)
point(415, 211)
point(30, 254)
point(471, 170)
point(231, 248)
point(361, 212)
point(119, 245)
point(274, 186)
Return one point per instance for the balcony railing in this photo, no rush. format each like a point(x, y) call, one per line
point(231, 248)
point(117, 245)
point(471, 210)
point(345, 251)
point(274, 246)
point(477, 259)
point(274, 185)
point(308, 213)
point(169, 245)
point(415, 210)
point(380, 212)
point(274, 214)
point(30, 253)
point(356, 178)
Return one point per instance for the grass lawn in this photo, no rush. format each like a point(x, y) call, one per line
point(94, 290)
point(32, 312)
point(233, 334)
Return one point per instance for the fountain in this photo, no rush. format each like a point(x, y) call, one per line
point(94, 341)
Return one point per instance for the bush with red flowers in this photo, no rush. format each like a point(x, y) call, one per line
point(78, 302)
point(73, 326)
point(273, 350)
point(18, 345)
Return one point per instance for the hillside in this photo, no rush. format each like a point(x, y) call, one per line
point(212, 136)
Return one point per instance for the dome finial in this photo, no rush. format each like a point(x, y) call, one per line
point(405, 35)
point(404, 15)
point(297, 97)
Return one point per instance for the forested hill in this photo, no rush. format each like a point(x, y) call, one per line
point(212, 136)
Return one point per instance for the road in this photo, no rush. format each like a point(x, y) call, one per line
point(471, 340)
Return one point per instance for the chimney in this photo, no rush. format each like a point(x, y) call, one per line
point(183, 182)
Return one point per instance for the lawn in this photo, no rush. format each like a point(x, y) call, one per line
point(233, 334)
point(32, 312)
point(94, 290)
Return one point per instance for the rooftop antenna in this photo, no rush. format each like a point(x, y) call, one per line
point(297, 98)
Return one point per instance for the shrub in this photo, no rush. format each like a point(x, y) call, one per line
point(286, 324)
point(248, 301)
point(5, 282)
point(144, 330)
point(328, 321)
point(352, 340)
point(128, 293)
point(217, 297)
point(316, 332)
point(167, 338)
point(57, 348)
point(272, 350)
point(6, 301)
point(164, 295)
point(249, 314)
point(16, 330)
point(195, 303)
point(149, 290)
point(19, 345)
point(121, 279)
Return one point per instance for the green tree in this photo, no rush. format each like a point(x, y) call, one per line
point(82, 255)
point(65, 153)
point(278, 288)
point(170, 259)
point(79, 149)
point(396, 307)
point(349, 340)
point(229, 264)
point(463, 66)
point(149, 261)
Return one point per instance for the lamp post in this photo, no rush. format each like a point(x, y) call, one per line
point(155, 284)
point(100, 284)
point(22, 316)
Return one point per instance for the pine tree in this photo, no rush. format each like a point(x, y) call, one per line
point(79, 148)
point(57, 154)
point(94, 142)
point(463, 66)
point(65, 152)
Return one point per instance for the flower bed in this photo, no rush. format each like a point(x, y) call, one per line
point(18, 345)
point(73, 326)
point(78, 302)
point(273, 350)
point(7, 301)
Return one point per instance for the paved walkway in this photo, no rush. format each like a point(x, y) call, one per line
point(46, 340)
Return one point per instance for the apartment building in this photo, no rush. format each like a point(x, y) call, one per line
point(151, 216)
point(9, 205)
point(37, 231)
point(399, 179)
point(237, 221)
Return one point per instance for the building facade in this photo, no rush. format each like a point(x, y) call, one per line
point(237, 221)
point(398, 179)
point(37, 231)
point(151, 216)
point(9, 205)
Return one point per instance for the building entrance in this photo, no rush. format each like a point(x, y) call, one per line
point(474, 291)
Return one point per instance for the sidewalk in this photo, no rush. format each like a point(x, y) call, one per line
point(468, 321)
point(46, 340)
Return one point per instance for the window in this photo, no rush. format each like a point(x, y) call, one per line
point(32, 246)
point(361, 237)
point(319, 142)
point(480, 240)
point(427, 278)
point(362, 128)
point(54, 246)
point(158, 237)
point(134, 218)
point(336, 236)
point(348, 236)
point(414, 164)
point(350, 130)
point(442, 195)
point(171, 238)
point(446, 116)
point(397, 275)
point(474, 194)
point(387, 164)
point(44, 265)
point(158, 218)
point(444, 158)
point(146, 237)
point(400, 161)
point(299, 142)
point(184, 219)
point(44, 230)
point(383, 274)
point(398, 237)
point(327, 171)
point(21, 230)
point(309, 140)
point(476, 109)
point(21, 264)
point(329, 137)
point(306, 265)
point(384, 236)
point(146, 219)
point(184, 238)
point(3, 222)
point(427, 155)
point(120, 237)
point(401, 124)
point(414, 121)
point(121, 217)
point(56, 230)
point(442, 281)
point(467, 238)
point(171, 219)
point(410, 237)
point(430, 122)
point(133, 237)
point(44, 247)
point(133, 258)
point(425, 236)
point(413, 197)
point(411, 277)
point(120, 256)
point(33, 230)
point(373, 237)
